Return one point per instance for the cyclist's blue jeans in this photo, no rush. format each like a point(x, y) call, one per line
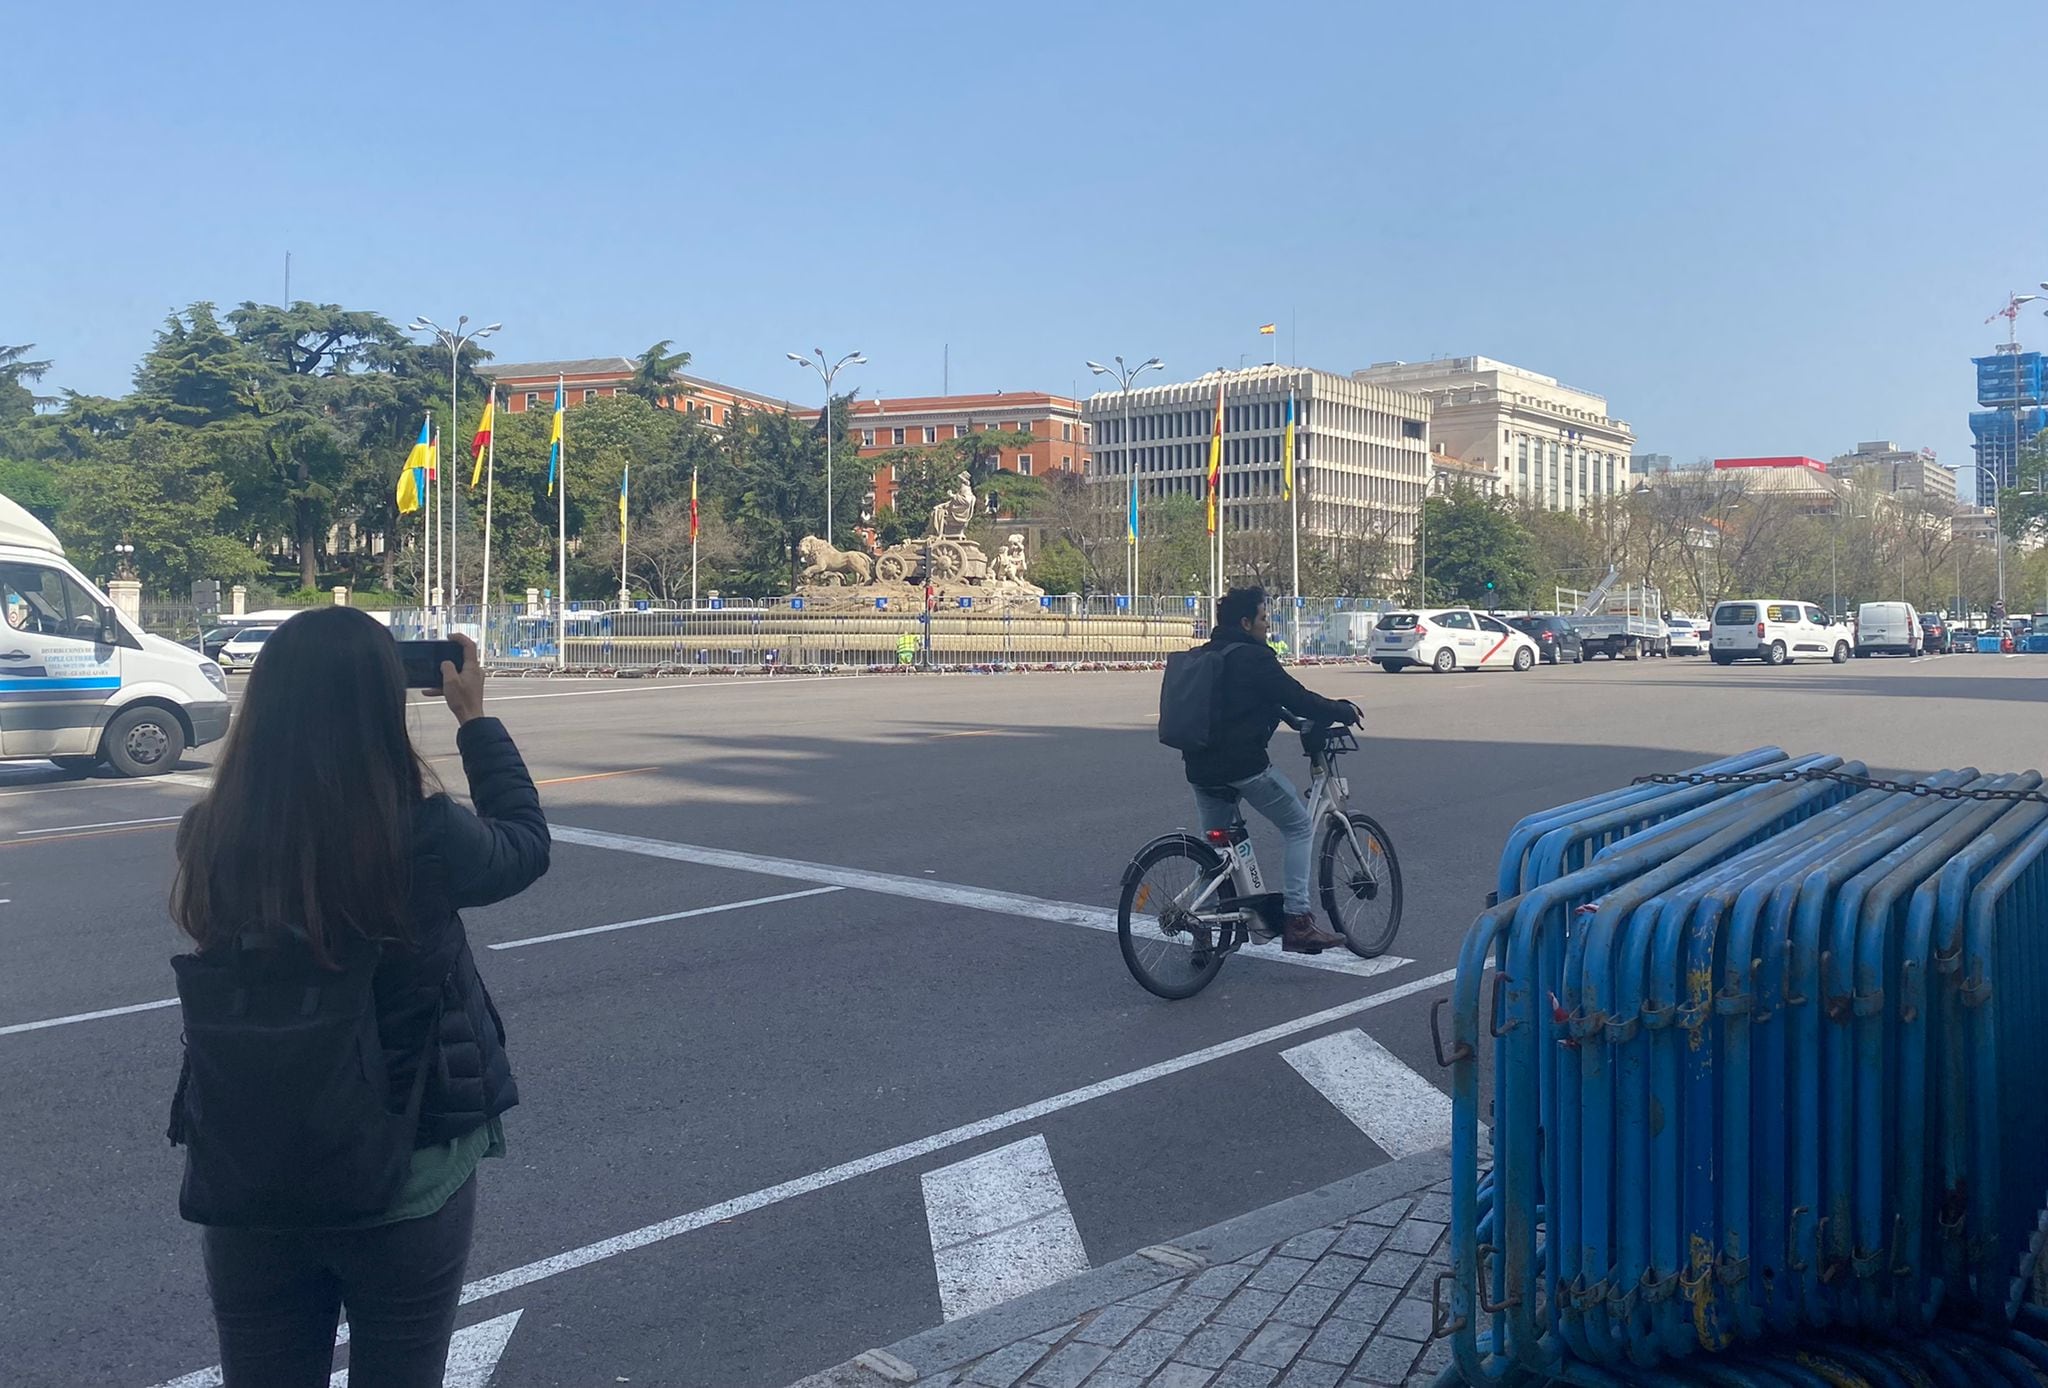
point(1275, 797)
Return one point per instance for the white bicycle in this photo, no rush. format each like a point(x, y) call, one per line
point(1189, 902)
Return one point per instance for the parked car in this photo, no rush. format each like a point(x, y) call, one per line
point(240, 650)
point(1448, 639)
point(1888, 628)
point(209, 643)
point(1937, 636)
point(1555, 640)
point(1687, 636)
point(1776, 631)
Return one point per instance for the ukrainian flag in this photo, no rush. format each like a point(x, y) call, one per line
point(623, 475)
point(1131, 524)
point(555, 441)
point(412, 482)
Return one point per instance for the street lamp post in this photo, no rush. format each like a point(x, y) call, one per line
point(454, 340)
point(827, 374)
point(1123, 376)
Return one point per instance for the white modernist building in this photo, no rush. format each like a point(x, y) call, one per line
point(1362, 450)
point(1550, 445)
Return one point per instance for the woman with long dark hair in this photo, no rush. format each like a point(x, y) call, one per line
point(345, 1068)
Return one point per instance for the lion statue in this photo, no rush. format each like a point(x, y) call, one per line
point(824, 564)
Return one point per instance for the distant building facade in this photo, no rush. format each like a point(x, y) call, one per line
point(530, 385)
point(1908, 473)
point(2012, 395)
point(1059, 433)
point(1362, 449)
point(1551, 445)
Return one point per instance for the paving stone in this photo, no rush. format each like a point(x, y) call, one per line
point(1109, 1380)
point(1152, 1298)
point(1212, 1345)
point(1055, 1335)
point(1182, 1376)
point(1390, 1269)
point(1274, 1346)
point(1388, 1214)
point(1366, 1302)
point(1007, 1365)
point(1307, 1305)
point(1244, 1376)
point(1409, 1320)
point(1280, 1274)
point(1338, 1342)
point(1386, 1360)
point(1335, 1270)
point(1144, 1353)
point(1313, 1244)
point(1184, 1314)
point(1435, 1208)
point(1360, 1241)
point(1309, 1374)
point(1112, 1324)
point(1435, 1355)
point(1249, 1307)
point(1252, 1260)
point(1220, 1282)
point(1069, 1367)
point(1415, 1236)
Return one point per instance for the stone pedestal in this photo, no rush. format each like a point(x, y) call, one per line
point(127, 596)
point(341, 595)
point(532, 600)
point(238, 601)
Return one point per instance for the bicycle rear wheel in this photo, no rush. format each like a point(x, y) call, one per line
point(1168, 950)
point(1361, 885)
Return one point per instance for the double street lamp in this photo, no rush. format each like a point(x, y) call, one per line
point(454, 340)
point(826, 374)
point(1124, 375)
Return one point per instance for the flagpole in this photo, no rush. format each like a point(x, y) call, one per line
point(693, 537)
point(454, 506)
point(429, 575)
point(561, 541)
point(1294, 512)
point(490, 484)
point(625, 494)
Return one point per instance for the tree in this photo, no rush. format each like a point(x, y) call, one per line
point(1478, 553)
point(1059, 568)
point(156, 490)
point(771, 482)
point(17, 401)
point(654, 374)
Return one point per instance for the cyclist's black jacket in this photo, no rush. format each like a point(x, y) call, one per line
point(1255, 689)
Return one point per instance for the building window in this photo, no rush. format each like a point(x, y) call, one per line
point(867, 438)
point(959, 431)
point(1024, 426)
point(896, 437)
point(1522, 457)
point(532, 399)
point(931, 433)
point(1066, 460)
point(1411, 429)
point(589, 395)
point(1023, 464)
point(1066, 432)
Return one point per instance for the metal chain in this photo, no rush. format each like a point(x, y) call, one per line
point(1918, 789)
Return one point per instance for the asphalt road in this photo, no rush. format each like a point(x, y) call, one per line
point(735, 1122)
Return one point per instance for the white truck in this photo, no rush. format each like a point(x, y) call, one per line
point(1620, 622)
point(80, 684)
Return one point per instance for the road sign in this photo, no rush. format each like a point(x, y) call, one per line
point(206, 594)
point(881, 604)
point(1045, 602)
point(718, 604)
point(1190, 603)
point(1122, 603)
point(1301, 602)
point(640, 604)
point(796, 604)
point(966, 603)
point(575, 607)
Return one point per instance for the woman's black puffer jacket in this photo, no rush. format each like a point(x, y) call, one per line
point(459, 859)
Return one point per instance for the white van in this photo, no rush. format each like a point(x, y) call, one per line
point(1892, 627)
point(1776, 631)
point(79, 683)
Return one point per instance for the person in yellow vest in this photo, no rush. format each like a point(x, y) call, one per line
point(906, 648)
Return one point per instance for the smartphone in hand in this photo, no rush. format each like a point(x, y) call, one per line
point(423, 661)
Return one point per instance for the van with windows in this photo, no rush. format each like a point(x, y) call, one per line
point(1776, 631)
point(80, 684)
point(1889, 628)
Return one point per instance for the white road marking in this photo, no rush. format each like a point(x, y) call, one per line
point(988, 899)
point(654, 687)
point(473, 1356)
point(1401, 1112)
point(172, 778)
point(88, 1016)
point(671, 916)
point(634, 1239)
point(103, 824)
point(1000, 1227)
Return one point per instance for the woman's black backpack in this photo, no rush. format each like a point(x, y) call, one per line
point(284, 1106)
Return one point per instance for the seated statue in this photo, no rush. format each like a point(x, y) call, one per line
point(950, 517)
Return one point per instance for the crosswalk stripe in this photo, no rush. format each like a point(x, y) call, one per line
point(1401, 1112)
point(1000, 1227)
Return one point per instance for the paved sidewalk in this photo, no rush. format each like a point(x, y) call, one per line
point(1325, 1290)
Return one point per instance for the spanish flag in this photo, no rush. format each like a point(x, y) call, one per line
point(1268, 329)
point(555, 440)
point(1287, 453)
point(412, 480)
point(482, 441)
point(1216, 458)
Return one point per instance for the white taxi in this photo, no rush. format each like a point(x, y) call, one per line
point(1448, 639)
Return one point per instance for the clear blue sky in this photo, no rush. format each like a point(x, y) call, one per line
point(1756, 228)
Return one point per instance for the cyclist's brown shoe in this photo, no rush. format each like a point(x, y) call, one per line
point(1303, 936)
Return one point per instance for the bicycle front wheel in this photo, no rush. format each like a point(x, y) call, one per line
point(1169, 949)
point(1360, 880)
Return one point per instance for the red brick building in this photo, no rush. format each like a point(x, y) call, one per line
point(530, 385)
point(1059, 438)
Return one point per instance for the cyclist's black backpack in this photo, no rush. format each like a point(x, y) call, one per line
point(284, 1104)
point(1191, 699)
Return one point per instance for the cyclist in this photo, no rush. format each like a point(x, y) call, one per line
point(1253, 692)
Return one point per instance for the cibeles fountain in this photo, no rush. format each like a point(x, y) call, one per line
point(945, 559)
